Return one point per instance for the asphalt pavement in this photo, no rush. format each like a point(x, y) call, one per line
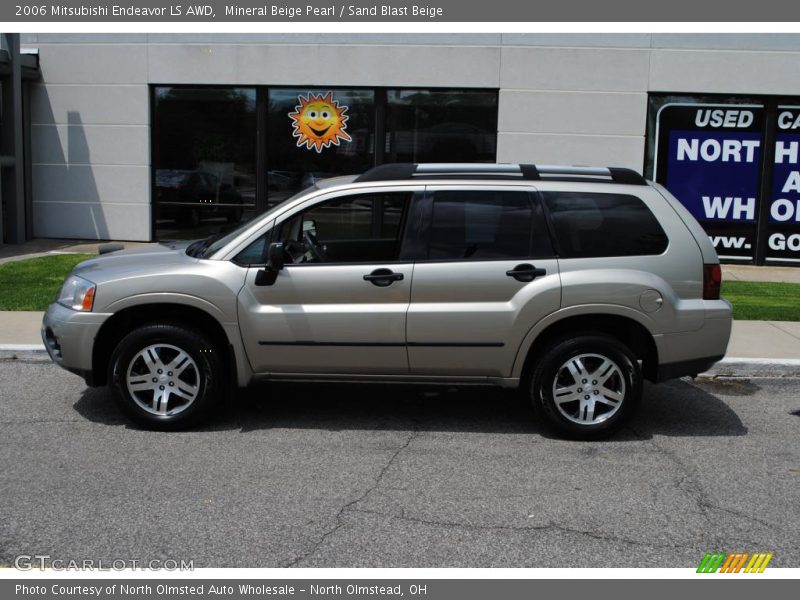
point(382, 476)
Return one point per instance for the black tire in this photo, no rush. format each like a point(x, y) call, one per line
point(202, 377)
point(572, 418)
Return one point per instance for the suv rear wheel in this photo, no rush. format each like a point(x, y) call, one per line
point(166, 376)
point(587, 386)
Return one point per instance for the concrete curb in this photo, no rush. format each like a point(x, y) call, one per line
point(25, 352)
point(755, 367)
point(22, 348)
point(728, 367)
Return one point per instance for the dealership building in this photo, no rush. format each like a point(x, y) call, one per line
point(166, 136)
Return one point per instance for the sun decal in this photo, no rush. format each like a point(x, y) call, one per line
point(319, 122)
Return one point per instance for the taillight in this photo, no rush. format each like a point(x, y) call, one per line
point(712, 281)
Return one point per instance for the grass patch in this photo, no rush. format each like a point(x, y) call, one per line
point(32, 284)
point(763, 301)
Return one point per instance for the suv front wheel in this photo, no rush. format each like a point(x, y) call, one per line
point(166, 376)
point(586, 386)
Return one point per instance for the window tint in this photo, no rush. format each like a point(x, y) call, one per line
point(364, 228)
point(485, 225)
point(588, 225)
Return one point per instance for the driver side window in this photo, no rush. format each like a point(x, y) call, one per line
point(366, 228)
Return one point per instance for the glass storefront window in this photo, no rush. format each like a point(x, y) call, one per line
point(441, 126)
point(317, 133)
point(204, 158)
point(223, 154)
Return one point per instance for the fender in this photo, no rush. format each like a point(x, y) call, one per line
point(244, 373)
point(574, 311)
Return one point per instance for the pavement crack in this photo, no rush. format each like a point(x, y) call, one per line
point(691, 486)
point(742, 515)
point(781, 329)
point(598, 535)
point(339, 518)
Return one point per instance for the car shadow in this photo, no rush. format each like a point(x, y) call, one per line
point(675, 408)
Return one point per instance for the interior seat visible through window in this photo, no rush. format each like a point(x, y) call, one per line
point(364, 228)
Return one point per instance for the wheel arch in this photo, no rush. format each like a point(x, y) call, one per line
point(625, 328)
point(126, 320)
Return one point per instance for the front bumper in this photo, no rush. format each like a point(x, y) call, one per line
point(68, 336)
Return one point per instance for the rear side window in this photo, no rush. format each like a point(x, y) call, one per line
point(486, 225)
point(590, 225)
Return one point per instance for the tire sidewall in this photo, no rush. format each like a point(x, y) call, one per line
point(195, 345)
point(560, 352)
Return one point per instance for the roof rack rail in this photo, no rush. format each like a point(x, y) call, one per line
point(507, 170)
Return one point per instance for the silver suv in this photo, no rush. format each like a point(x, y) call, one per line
point(571, 283)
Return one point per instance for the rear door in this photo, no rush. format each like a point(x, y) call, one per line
point(486, 273)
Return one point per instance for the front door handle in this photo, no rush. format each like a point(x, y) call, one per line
point(383, 277)
point(525, 272)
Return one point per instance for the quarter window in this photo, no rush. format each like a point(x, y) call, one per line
point(590, 225)
point(255, 253)
point(486, 225)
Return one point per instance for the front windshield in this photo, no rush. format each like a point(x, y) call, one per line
point(208, 246)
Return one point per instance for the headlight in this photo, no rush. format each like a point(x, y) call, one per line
point(77, 293)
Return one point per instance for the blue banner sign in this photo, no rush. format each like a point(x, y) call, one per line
point(783, 230)
point(710, 157)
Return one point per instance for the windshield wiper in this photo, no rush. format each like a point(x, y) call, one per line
point(196, 249)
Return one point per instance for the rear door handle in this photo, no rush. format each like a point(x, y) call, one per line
point(525, 272)
point(383, 277)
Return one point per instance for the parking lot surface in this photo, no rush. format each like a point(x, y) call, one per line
point(380, 476)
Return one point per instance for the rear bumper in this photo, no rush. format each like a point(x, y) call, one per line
point(686, 367)
point(68, 337)
point(693, 352)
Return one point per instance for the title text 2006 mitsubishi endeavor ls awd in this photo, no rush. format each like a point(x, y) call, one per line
point(572, 283)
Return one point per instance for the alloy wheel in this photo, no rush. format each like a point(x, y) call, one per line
point(163, 379)
point(589, 389)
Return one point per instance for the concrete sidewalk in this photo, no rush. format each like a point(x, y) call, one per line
point(20, 328)
point(44, 247)
point(751, 273)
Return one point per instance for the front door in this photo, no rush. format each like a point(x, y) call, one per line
point(487, 275)
point(339, 305)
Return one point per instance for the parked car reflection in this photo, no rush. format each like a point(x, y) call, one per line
point(190, 196)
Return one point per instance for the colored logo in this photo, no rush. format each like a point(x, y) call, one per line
point(721, 562)
point(319, 122)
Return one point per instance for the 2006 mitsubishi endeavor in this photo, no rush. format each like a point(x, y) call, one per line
point(572, 283)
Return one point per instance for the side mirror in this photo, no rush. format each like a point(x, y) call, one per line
point(275, 256)
point(269, 274)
